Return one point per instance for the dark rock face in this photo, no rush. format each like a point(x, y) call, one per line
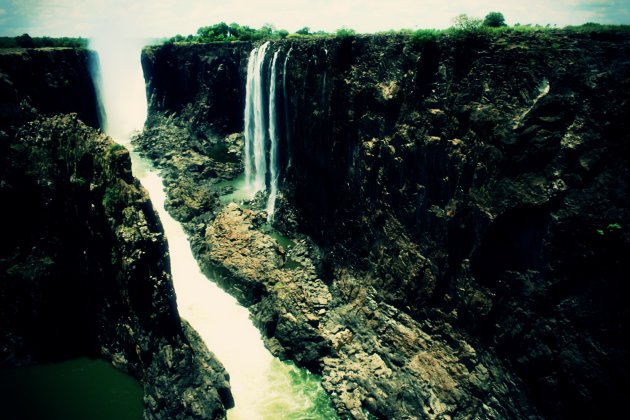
point(208, 76)
point(45, 81)
point(84, 270)
point(469, 201)
point(84, 267)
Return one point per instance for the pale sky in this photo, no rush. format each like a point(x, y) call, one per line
point(165, 18)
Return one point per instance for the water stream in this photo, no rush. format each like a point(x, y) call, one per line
point(263, 387)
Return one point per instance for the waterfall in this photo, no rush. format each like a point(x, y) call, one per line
point(255, 132)
point(323, 100)
point(263, 387)
point(285, 98)
point(273, 137)
point(261, 125)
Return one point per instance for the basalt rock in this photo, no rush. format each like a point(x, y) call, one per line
point(466, 208)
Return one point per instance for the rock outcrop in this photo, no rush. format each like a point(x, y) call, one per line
point(458, 208)
point(84, 268)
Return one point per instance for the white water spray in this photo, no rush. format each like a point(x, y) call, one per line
point(273, 138)
point(262, 386)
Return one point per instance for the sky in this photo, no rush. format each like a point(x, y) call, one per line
point(165, 18)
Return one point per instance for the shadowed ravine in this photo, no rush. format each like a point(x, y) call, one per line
point(262, 386)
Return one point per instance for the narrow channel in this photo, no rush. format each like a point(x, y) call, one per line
point(263, 386)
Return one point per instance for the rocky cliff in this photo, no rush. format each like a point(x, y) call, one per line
point(47, 81)
point(84, 268)
point(457, 209)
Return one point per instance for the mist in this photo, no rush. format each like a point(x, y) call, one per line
point(121, 88)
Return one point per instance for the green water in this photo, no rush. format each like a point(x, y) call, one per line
point(285, 242)
point(220, 152)
point(291, 379)
point(75, 389)
point(239, 192)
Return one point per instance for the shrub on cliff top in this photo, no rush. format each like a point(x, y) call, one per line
point(422, 36)
point(345, 32)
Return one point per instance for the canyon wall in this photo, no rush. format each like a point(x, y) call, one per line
point(47, 81)
point(458, 207)
point(84, 268)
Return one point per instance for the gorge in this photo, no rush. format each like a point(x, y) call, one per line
point(450, 217)
point(434, 226)
point(262, 387)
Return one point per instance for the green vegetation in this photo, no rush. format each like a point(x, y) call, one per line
point(463, 26)
point(78, 181)
point(26, 41)
point(222, 32)
point(611, 228)
point(423, 36)
point(113, 196)
point(304, 31)
point(467, 23)
point(345, 32)
point(115, 147)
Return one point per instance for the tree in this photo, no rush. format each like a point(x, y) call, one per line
point(25, 41)
point(464, 22)
point(494, 20)
point(283, 33)
point(304, 31)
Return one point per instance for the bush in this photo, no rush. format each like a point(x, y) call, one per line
point(422, 36)
point(304, 31)
point(283, 33)
point(345, 32)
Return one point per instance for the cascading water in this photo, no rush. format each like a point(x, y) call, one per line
point(273, 138)
point(260, 126)
point(262, 386)
point(255, 127)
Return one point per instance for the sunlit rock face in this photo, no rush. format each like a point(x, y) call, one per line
point(84, 269)
point(457, 209)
